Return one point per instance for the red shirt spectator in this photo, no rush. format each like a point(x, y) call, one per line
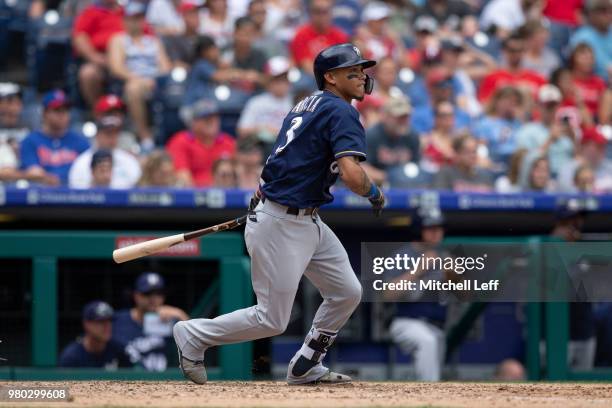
point(99, 23)
point(564, 11)
point(591, 89)
point(512, 74)
point(195, 151)
point(316, 35)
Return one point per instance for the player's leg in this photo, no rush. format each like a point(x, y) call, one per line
point(280, 250)
point(331, 272)
point(424, 341)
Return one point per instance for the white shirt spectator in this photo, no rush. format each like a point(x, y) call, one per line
point(162, 14)
point(126, 170)
point(267, 109)
point(505, 14)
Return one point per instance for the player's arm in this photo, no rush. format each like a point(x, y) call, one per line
point(356, 179)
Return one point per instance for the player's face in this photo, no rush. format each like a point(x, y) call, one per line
point(149, 302)
point(432, 235)
point(99, 330)
point(350, 82)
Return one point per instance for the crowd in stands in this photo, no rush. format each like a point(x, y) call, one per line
point(470, 95)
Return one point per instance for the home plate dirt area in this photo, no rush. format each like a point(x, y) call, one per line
point(357, 394)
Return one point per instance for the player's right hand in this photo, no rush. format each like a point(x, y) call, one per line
point(378, 202)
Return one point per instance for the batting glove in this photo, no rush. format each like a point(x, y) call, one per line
point(377, 199)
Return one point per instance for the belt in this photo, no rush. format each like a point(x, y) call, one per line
point(295, 210)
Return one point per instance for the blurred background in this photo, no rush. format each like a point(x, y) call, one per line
point(122, 120)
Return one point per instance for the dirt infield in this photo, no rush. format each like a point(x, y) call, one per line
point(359, 394)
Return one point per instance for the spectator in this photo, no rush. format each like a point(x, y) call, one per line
point(440, 88)
point(505, 16)
point(498, 128)
point(589, 88)
point(447, 13)
point(207, 71)
point(535, 174)
point(242, 56)
point(263, 115)
point(464, 175)
point(181, 47)
point(315, 35)
point(158, 170)
point(592, 152)
point(391, 143)
point(417, 326)
point(48, 153)
point(385, 74)
point(125, 167)
point(195, 150)
point(144, 329)
point(513, 72)
point(224, 174)
point(509, 370)
point(137, 59)
point(93, 30)
point(95, 349)
point(101, 169)
point(217, 22)
point(572, 105)
point(374, 36)
point(539, 57)
point(551, 136)
point(66, 8)
point(425, 28)
point(509, 183)
point(564, 17)
point(598, 35)
point(267, 19)
point(438, 144)
point(249, 164)
point(165, 17)
point(13, 130)
point(584, 179)
point(112, 105)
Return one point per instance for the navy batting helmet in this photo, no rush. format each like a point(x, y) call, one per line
point(341, 56)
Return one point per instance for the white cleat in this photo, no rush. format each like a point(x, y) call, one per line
point(193, 370)
point(318, 374)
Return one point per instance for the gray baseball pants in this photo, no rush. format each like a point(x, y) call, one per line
point(282, 247)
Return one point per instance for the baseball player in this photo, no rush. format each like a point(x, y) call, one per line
point(321, 139)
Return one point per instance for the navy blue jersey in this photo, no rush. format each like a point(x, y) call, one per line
point(302, 166)
point(112, 357)
point(147, 351)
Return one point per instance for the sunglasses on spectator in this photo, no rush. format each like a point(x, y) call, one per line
point(444, 113)
point(320, 10)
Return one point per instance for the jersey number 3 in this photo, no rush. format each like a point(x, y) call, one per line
point(295, 123)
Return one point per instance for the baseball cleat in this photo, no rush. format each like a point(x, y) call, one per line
point(193, 370)
point(301, 372)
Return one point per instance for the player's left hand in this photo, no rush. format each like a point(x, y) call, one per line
point(378, 202)
point(167, 313)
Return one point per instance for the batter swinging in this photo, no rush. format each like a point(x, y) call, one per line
point(321, 138)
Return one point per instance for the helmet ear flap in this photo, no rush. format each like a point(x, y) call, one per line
point(369, 84)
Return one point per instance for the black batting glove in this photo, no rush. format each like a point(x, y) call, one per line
point(254, 200)
point(377, 199)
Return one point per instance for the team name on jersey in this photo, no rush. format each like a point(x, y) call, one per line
point(308, 104)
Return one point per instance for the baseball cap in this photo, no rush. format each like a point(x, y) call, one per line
point(204, 108)
point(100, 156)
point(108, 103)
point(109, 121)
point(397, 106)
point(567, 208)
point(277, 66)
point(148, 282)
point(439, 79)
point(8, 89)
point(97, 310)
point(432, 218)
point(188, 5)
point(55, 99)
point(375, 10)
point(549, 93)
point(426, 24)
point(134, 8)
point(594, 136)
point(452, 44)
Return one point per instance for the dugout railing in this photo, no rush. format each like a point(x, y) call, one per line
point(46, 248)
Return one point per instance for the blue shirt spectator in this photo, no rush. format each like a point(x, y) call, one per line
point(47, 154)
point(598, 35)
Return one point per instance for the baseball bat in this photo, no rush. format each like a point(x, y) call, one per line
point(153, 246)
